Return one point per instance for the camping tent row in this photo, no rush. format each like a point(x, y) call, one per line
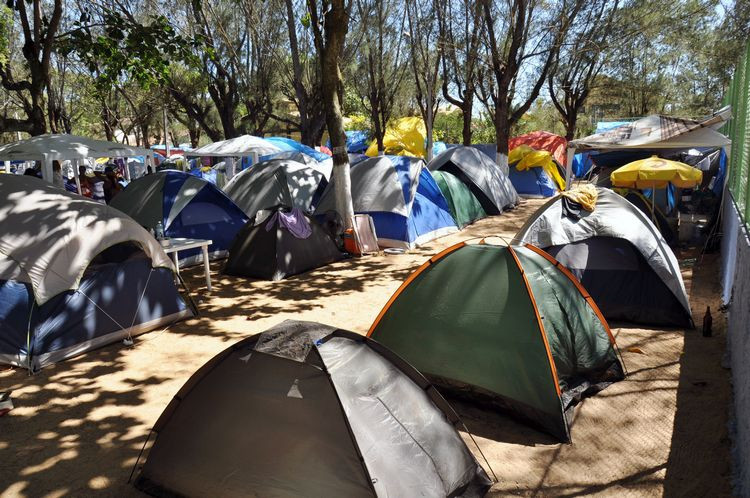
point(187, 206)
point(259, 149)
point(63, 147)
point(407, 204)
point(535, 162)
point(75, 275)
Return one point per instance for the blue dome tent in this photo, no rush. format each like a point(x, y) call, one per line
point(187, 206)
point(532, 182)
point(403, 199)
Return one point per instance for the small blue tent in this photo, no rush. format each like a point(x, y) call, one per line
point(532, 182)
point(187, 206)
point(403, 199)
point(75, 275)
point(287, 144)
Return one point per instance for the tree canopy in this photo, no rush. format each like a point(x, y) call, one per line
point(475, 71)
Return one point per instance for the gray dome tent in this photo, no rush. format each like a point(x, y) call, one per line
point(618, 255)
point(304, 409)
point(489, 184)
point(277, 182)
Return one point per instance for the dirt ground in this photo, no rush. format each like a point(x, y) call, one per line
point(79, 425)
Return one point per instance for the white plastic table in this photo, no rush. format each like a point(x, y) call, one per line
point(173, 246)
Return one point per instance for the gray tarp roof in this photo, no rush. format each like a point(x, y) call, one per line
point(658, 132)
point(244, 145)
point(49, 236)
point(61, 146)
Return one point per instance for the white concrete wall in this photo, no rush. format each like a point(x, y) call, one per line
point(736, 279)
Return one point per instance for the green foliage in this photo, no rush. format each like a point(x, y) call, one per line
point(357, 122)
point(482, 129)
point(6, 32)
point(541, 116)
point(123, 47)
point(449, 126)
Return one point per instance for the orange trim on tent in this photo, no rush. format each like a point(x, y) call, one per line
point(539, 321)
point(409, 279)
point(578, 285)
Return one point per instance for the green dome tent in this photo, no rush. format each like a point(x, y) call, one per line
point(503, 326)
point(464, 207)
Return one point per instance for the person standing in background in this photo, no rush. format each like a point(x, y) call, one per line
point(85, 183)
point(57, 178)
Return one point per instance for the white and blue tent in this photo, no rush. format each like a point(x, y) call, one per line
point(75, 275)
point(188, 207)
point(402, 198)
point(289, 145)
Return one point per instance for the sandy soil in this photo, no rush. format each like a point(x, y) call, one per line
point(79, 425)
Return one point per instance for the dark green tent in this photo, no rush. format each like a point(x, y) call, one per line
point(464, 207)
point(504, 326)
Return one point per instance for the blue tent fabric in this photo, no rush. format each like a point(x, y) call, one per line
point(357, 141)
point(209, 215)
point(582, 163)
point(111, 299)
point(719, 182)
point(532, 182)
point(209, 175)
point(288, 144)
point(489, 149)
point(419, 213)
point(429, 214)
point(438, 148)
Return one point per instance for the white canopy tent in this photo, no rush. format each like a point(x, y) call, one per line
point(653, 133)
point(61, 147)
point(242, 146)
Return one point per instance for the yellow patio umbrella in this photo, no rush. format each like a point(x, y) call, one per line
point(654, 173)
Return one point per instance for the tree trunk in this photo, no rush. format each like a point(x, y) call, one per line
point(502, 135)
point(336, 26)
point(429, 123)
point(570, 125)
point(467, 110)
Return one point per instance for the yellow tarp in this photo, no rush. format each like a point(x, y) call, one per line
point(656, 172)
point(404, 137)
point(525, 157)
point(585, 195)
